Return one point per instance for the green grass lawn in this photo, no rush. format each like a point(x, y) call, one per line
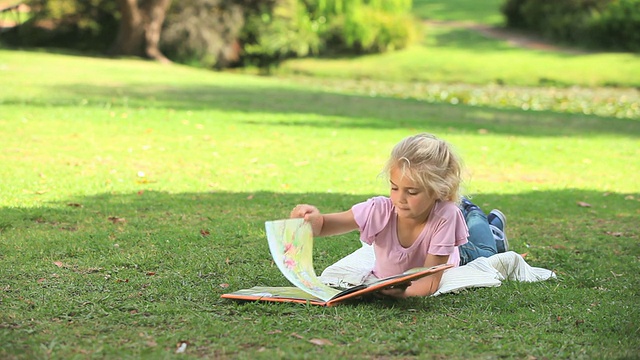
point(451, 54)
point(132, 195)
point(485, 11)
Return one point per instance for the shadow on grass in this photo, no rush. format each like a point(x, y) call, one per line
point(350, 111)
point(222, 234)
point(72, 267)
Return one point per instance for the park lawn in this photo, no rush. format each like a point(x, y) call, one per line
point(450, 52)
point(134, 194)
point(482, 12)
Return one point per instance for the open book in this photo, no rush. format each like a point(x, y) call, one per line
point(291, 246)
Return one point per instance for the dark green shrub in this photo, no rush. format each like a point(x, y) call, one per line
point(593, 23)
point(512, 10)
point(78, 24)
point(618, 25)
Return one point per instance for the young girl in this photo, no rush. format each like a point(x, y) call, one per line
point(420, 223)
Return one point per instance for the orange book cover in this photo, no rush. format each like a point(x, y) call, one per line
point(291, 245)
point(297, 295)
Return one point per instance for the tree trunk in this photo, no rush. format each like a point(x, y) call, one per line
point(153, 14)
point(140, 28)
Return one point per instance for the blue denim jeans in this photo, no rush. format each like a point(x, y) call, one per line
point(481, 242)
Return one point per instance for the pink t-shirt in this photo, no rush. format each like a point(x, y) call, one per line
point(444, 231)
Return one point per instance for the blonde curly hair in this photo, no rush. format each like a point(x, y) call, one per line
point(430, 162)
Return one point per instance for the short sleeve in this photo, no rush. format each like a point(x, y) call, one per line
point(372, 216)
point(451, 231)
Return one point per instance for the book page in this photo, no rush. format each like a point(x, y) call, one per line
point(291, 246)
point(276, 292)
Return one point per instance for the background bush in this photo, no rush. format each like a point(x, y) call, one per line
point(618, 25)
point(298, 28)
point(223, 33)
point(85, 25)
point(607, 24)
point(205, 32)
point(365, 26)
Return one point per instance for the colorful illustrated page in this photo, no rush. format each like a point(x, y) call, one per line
point(291, 245)
point(277, 292)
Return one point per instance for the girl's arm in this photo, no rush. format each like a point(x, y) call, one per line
point(326, 224)
point(425, 286)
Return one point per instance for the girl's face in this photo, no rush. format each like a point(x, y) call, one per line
point(410, 199)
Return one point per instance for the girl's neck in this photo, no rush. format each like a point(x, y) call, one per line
point(417, 222)
point(409, 229)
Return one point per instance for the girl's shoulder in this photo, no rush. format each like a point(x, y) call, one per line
point(381, 201)
point(377, 202)
point(376, 210)
point(446, 209)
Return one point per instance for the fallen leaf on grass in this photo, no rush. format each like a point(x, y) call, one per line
point(74, 205)
point(150, 273)
point(583, 204)
point(616, 234)
point(204, 233)
point(320, 342)
point(224, 285)
point(117, 220)
point(61, 265)
point(296, 335)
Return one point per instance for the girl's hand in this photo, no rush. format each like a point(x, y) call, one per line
point(310, 214)
point(396, 291)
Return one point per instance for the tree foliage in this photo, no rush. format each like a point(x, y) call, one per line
point(85, 25)
point(221, 33)
point(207, 32)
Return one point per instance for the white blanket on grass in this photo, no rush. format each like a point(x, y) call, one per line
point(356, 268)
